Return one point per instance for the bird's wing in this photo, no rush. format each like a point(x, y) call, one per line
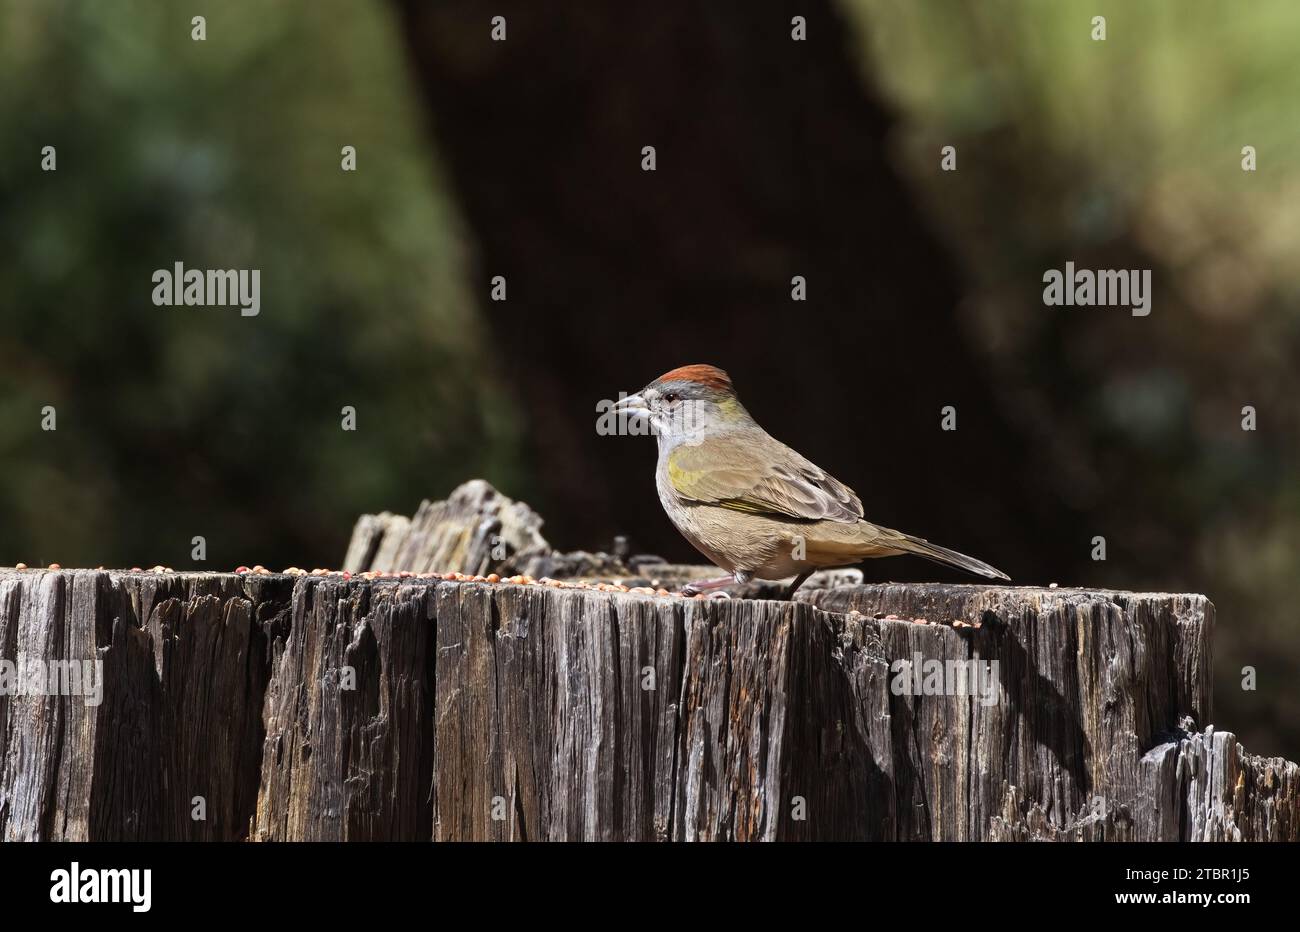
point(759, 474)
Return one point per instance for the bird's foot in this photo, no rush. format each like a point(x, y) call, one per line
point(692, 592)
point(701, 586)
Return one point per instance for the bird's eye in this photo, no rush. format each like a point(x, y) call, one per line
point(672, 397)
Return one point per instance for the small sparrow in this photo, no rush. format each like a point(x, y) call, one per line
point(749, 503)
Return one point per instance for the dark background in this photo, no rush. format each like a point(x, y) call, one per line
point(775, 158)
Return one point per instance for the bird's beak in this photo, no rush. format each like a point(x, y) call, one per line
point(632, 405)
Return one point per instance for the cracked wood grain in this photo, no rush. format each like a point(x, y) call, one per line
point(423, 709)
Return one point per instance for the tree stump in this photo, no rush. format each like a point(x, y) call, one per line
point(318, 707)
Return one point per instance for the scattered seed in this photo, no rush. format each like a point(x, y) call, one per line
point(21, 566)
point(55, 566)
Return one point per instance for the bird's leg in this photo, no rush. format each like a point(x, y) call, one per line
point(794, 586)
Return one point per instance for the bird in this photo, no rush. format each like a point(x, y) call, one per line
point(753, 506)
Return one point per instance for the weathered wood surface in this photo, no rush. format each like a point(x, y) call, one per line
point(184, 672)
point(476, 529)
point(324, 708)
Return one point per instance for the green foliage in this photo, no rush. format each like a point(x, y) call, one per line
point(1126, 153)
point(225, 154)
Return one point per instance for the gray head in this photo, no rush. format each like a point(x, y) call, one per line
point(688, 402)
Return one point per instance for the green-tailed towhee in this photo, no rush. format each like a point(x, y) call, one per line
point(749, 503)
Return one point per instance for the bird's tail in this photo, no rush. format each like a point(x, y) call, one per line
point(923, 548)
point(838, 544)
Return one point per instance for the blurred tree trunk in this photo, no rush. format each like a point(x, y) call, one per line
point(772, 162)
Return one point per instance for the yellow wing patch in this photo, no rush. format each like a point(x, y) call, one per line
point(758, 476)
